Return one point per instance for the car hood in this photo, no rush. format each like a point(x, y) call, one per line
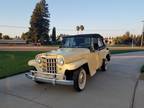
point(69, 54)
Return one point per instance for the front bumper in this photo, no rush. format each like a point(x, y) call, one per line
point(31, 75)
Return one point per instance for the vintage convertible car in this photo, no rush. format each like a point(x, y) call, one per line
point(78, 57)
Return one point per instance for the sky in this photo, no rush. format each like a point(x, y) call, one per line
point(106, 17)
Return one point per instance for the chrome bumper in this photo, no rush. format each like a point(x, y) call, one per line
point(54, 81)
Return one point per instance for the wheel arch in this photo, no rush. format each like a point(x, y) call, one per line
point(108, 57)
point(69, 73)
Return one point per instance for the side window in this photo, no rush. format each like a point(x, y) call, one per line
point(100, 43)
point(95, 43)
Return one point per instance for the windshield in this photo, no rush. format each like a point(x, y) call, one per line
point(76, 42)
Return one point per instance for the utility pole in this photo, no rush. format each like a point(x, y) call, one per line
point(132, 42)
point(142, 37)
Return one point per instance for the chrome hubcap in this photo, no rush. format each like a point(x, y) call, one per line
point(82, 79)
point(106, 65)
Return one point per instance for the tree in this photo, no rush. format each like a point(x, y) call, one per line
point(25, 36)
point(6, 37)
point(127, 33)
point(0, 35)
point(77, 28)
point(82, 28)
point(53, 35)
point(127, 39)
point(138, 40)
point(118, 40)
point(39, 28)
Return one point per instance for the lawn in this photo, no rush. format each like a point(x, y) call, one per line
point(12, 63)
point(118, 50)
point(15, 62)
point(124, 51)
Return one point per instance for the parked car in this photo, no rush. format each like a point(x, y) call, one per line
point(78, 57)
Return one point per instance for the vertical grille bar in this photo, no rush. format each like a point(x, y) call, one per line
point(50, 64)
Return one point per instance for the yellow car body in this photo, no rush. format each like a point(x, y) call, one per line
point(48, 68)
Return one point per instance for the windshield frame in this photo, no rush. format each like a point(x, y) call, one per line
point(67, 37)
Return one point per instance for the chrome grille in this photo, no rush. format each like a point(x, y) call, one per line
point(49, 65)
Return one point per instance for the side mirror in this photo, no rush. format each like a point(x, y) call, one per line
point(92, 49)
point(96, 46)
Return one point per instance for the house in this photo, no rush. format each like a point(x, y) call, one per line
point(13, 42)
point(109, 41)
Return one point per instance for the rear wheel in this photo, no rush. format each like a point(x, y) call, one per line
point(104, 65)
point(79, 78)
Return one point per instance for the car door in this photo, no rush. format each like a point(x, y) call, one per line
point(94, 57)
point(102, 51)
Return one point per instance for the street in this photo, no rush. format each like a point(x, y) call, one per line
point(111, 89)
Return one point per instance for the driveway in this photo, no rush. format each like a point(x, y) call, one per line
point(111, 89)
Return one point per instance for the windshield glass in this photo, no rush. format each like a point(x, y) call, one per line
point(76, 42)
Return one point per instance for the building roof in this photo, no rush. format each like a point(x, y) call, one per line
point(12, 41)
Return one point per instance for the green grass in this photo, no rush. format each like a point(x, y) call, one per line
point(15, 62)
point(124, 51)
point(12, 63)
point(118, 50)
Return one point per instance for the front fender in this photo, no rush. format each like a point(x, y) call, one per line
point(32, 63)
point(75, 65)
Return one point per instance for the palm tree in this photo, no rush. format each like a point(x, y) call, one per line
point(82, 28)
point(77, 29)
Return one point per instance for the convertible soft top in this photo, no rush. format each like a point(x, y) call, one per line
point(87, 35)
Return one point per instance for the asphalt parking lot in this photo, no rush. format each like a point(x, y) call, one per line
point(111, 89)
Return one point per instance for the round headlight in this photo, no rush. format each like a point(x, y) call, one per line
point(37, 58)
point(60, 61)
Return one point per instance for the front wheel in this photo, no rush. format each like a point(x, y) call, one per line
point(39, 82)
point(79, 79)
